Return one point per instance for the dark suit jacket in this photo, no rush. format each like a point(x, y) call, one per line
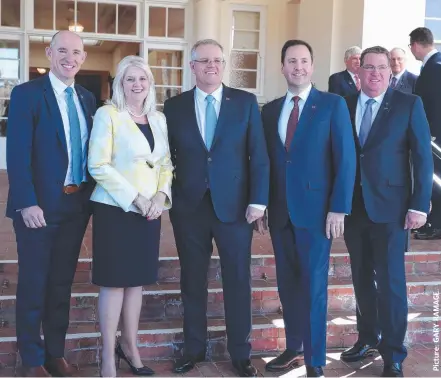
point(317, 175)
point(407, 82)
point(36, 153)
point(428, 87)
point(341, 83)
point(236, 169)
point(399, 129)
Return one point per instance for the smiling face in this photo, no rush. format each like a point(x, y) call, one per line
point(66, 55)
point(208, 67)
point(297, 68)
point(374, 74)
point(397, 61)
point(136, 86)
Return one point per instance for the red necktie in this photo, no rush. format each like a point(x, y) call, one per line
point(357, 82)
point(292, 122)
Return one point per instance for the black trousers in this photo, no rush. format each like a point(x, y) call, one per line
point(378, 273)
point(194, 234)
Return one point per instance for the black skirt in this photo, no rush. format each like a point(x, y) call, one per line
point(125, 247)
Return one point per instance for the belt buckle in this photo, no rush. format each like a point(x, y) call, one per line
point(72, 188)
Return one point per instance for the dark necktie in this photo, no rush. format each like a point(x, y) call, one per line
point(75, 139)
point(292, 122)
point(393, 82)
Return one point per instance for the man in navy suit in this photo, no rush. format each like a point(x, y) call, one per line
point(401, 79)
point(49, 188)
point(312, 173)
point(347, 82)
point(428, 87)
point(388, 126)
point(220, 187)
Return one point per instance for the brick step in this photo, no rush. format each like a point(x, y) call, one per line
point(262, 267)
point(164, 339)
point(163, 301)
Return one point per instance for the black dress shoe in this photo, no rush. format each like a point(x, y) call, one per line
point(393, 370)
point(187, 363)
point(428, 234)
point(286, 361)
point(358, 352)
point(314, 371)
point(245, 368)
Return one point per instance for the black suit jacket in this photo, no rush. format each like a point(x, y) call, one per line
point(407, 82)
point(341, 83)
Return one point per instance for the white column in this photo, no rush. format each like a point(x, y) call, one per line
point(207, 19)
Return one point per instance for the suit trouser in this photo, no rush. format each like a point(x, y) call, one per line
point(378, 274)
point(434, 217)
point(47, 261)
point(302, 264)
point(194, 233)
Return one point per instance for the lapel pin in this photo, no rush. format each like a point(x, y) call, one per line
point(227, 98)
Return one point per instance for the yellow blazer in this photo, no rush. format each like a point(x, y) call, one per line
point(121, 162)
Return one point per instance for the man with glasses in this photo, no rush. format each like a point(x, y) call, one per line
point(428, 87)
point(220, 188)
point(401, 79)
point(388, 126)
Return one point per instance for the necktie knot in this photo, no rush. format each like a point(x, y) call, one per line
point(209, 99)
point(296, 100)
point(370, 102)
point(69, 91)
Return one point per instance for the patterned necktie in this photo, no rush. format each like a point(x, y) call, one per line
point(393, 82)
point(210, 121)
point(75, 138)
point(366, 122)
point(357, 82)
point(292, 122)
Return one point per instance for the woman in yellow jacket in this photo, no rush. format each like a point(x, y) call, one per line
point(130, 160)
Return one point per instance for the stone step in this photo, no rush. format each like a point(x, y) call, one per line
point(163, 301)
point(164, 339)
point(262, 267)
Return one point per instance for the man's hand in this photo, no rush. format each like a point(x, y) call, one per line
point(335, 225)
point(252, 214)
point(259, 226)
point(157, 206)
point(414, 220)
point(143, 204)
point(33, 217)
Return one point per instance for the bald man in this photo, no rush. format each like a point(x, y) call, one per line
point(49, 124)
point(401, 79)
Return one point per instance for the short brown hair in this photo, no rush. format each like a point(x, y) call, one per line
point(374, 50)
point(423, 36)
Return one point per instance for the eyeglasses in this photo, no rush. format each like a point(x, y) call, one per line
point(371, 68)
point(206, 62)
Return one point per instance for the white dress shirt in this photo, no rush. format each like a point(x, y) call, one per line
point(59, 90)
point(352, 76)
point(428, 56)
point(288, 105)
point(361, 107)
point(200, 105)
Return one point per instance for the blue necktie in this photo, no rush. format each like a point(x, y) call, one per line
point(75, 139)
point(210, 121)
point(366, 122)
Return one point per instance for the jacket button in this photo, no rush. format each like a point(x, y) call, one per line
point(361, 155)
point(209, 159)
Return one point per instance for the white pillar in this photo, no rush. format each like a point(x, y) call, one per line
point(207, 19)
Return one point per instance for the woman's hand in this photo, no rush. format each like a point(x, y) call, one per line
point(143, 204)
point(157, 206)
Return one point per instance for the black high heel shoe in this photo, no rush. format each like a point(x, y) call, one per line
point(142, 371)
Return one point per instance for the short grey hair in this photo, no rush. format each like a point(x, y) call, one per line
point(118, 97)
point(204, 42)
point(354, 50)
point(399, 49)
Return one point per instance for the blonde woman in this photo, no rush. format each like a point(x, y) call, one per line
point(130, 160)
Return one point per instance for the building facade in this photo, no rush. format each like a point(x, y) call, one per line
point(163, 31)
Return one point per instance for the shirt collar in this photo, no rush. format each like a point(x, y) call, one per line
point(217, 94)
point(303, 94)
point(58, 86)
point(398, 75)
point(429, 55)
point(352, 75)
point(364, 97)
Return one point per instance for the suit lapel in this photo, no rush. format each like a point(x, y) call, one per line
point(349, 80)
point(225, 110)
point(352, 106)
point(276, 112)
point(54, 111)
point(189, 113)
point(86, 110)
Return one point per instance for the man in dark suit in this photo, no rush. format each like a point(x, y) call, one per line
point(347, 82)
point(388, 126)
point(312, 172)
point(49, 188)
point(428, 87)
point(401, 79)
point(220, 187)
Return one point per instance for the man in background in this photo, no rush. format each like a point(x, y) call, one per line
point(347, 82)
point(401, 79)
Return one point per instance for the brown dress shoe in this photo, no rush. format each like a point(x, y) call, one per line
point(36, 371)
point(58, 367)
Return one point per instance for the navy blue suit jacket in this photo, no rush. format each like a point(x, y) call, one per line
point(317, 175)
point(341, 83)
point(36, 152)
point(407, 82)
point(428, 87)
point(236, 169)
point(399, 130)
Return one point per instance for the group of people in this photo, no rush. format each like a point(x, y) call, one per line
point(322, 167)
